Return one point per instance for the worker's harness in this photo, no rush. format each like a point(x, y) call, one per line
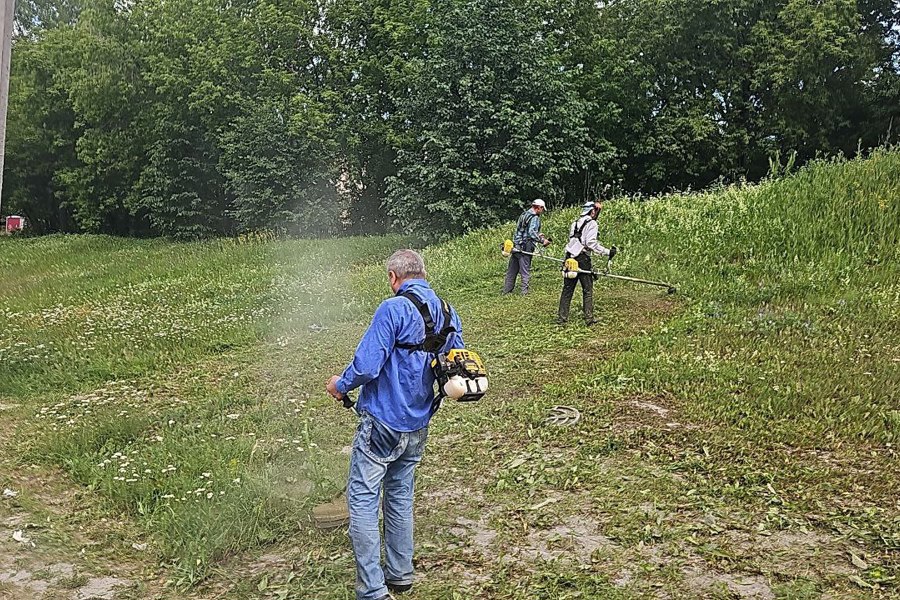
point(434, 340)
point(570, 265)
point(576, 231)
point(460, 373)
point(523, 224)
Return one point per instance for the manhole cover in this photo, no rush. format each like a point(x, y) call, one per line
point(563, 415)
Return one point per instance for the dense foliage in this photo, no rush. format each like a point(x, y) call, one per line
point(194, 118)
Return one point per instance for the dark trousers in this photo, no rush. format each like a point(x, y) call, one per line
point(519, 264)
point(587, 291)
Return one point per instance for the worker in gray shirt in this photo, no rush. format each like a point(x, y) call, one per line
point(526, 239)
point(582, 244)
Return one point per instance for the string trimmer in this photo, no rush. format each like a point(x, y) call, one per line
point(571, 270)
point(334, 513)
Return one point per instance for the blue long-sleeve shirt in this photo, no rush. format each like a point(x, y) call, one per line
point(397, 384)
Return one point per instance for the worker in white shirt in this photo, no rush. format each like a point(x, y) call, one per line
point(582, 244)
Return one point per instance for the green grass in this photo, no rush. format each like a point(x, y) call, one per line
point(90, 309)
point(741, 432)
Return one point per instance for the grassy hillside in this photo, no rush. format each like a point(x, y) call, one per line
point(737, 440)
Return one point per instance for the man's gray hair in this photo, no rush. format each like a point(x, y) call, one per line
point(406, 264)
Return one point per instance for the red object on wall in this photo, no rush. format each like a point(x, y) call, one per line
point(14, 223)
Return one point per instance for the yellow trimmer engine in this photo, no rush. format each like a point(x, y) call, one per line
point(570, 268)
point(507, 248)
point(461, 375)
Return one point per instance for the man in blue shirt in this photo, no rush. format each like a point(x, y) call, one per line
point(526, 238)
point(395, 406)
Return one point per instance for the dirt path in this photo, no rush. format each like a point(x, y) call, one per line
point(57, 541)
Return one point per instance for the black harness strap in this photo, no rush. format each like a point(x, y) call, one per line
point(576, 233)
point(522, 226)
point(430, 327)
point(433, 343)
point(426, 316)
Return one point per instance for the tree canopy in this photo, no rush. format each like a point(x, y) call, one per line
point(195, 118)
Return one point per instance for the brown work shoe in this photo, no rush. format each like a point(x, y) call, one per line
point(332, 515)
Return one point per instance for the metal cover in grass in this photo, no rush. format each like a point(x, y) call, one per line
point(563, 415)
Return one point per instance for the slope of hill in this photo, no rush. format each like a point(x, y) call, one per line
point(737, 439)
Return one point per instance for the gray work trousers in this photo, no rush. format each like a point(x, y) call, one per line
point(519, 264)
point(587, 291)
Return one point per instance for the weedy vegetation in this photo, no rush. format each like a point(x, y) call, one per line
point(737, 440)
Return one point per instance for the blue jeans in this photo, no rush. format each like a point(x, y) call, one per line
point(388, 458)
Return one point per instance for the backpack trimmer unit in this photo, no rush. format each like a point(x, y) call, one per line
point(461, 375)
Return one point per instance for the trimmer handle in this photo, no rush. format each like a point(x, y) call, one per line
point(348, 403)
point(612, 254)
